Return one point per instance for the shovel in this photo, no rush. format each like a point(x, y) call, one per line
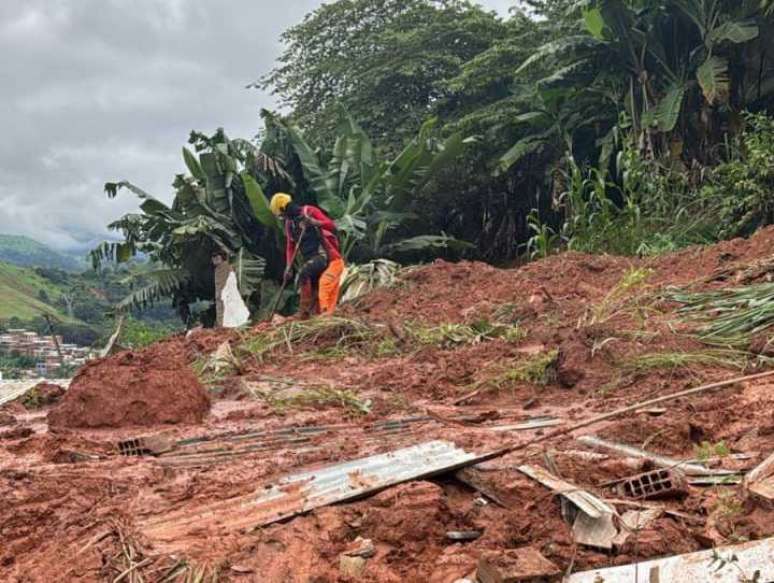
point(276, 301)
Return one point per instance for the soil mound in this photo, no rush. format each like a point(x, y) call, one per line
point(149, 387)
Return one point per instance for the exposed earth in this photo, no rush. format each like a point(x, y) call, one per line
point(561, 339)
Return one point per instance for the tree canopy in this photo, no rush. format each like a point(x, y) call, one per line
point(431, 127)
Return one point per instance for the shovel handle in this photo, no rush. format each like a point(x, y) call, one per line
point(276, 301)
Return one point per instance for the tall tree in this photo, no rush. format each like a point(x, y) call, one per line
point(384, 60)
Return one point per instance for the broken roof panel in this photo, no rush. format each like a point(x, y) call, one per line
point(305, 491)
point(299, 493)
point(751, 557)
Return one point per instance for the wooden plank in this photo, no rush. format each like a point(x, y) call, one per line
point(763, 489)
point(762, 470)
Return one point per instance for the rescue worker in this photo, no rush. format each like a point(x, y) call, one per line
point(312, 233)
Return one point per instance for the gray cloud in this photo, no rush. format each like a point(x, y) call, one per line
point(97, 90)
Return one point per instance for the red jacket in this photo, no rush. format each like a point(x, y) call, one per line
point(327, 233)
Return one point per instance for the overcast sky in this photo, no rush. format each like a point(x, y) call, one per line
point(100, 90)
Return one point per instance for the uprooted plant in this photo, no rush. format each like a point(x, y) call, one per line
point(213, 369)
point(720, 357)
point(729, 317)
point(125, 559)
point(626, 294)
point(538, 369)
point(330, 332)
point(284, 394)
point(449, 335)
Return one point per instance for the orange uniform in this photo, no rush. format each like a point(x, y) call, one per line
point(323, 262)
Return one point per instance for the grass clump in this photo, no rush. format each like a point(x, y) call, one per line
point(724, 358)
point(185, 571)
point(628, 289)
point(321, 396)
point(706, 450)
point(336, 331)
point(539, 369)
point(730, 317)
point(450, 335)
point(212, 369)
point(207, 375)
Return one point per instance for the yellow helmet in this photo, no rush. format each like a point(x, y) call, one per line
point(279, 202)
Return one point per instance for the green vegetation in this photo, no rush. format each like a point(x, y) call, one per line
point(21, 289)
point(320, 396)
point(606, 131)
point(539, 369)
point(629, 289)
point(221, 205)
point(729, 317)
point(323, 332)
point(706, 450)
point(139, 333)
point(358, 280)
point(725, 358)
point(27, 252)
point(80, 305)
point(435, 128)
point(12, 365)
point(449, 335)
point(741, 188)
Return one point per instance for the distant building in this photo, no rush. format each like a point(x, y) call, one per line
point(44, 350)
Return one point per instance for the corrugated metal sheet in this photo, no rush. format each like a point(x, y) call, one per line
point(298, 493)
point(207, 450)
point(699, 567)
point(306, 491)
point(10, 390)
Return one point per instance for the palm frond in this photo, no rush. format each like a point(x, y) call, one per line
point(714, 79)
point(164, 282)
point(359, 280)
point(430, 243)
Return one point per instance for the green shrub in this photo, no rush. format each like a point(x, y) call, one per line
point(743, 188)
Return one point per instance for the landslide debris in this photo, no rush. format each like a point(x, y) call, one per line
point(154, 386)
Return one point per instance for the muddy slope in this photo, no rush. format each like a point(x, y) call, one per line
point(79, 511)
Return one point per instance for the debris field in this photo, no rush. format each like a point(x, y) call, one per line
point(422, 434)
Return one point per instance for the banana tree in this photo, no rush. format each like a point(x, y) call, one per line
point(657, 57)
point(220, 205)
point(369, 197)
point(673, 52)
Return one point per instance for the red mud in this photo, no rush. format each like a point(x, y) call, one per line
point(70, 489)
point(150, 387)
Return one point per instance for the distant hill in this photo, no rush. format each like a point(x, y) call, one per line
point(24, 294)
point(78, 303)
point(20, 250)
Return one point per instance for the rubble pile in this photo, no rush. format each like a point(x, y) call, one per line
point(424, 434)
